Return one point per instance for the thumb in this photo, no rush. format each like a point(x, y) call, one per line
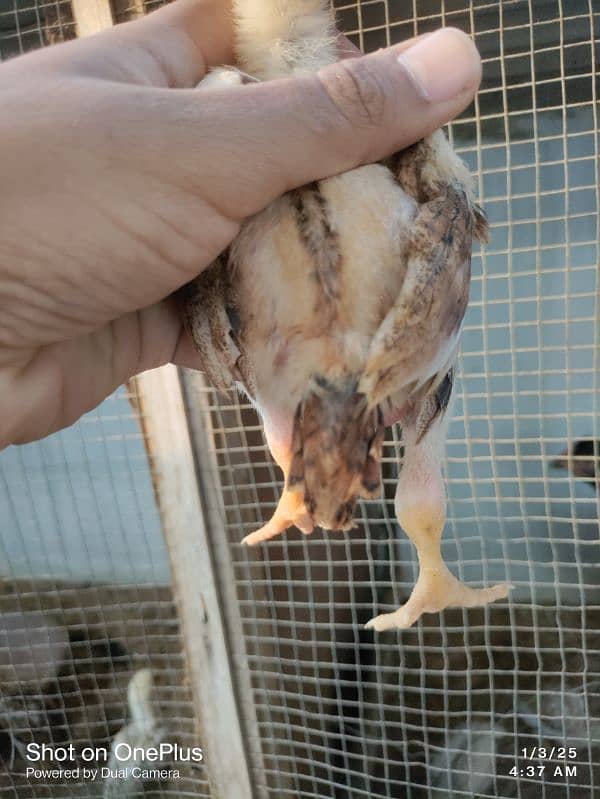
point(255, 142)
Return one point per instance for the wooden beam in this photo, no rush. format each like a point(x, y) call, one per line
point(197, 593)
point(91, 16)
point(212, 484)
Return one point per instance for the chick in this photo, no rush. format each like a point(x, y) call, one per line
point(142, 732)
point(338, 309)
point(582, 460)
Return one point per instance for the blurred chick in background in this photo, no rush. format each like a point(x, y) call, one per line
point(339, 310)
point(144, 731)
point(582, 460)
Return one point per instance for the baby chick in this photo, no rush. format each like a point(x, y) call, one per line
point(338, 309)
point(141, 733)
point(582, 460)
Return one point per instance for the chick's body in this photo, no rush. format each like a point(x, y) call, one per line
point(338, 309)
point(318, 271)
point(314, 275)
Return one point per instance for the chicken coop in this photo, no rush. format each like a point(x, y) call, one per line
point(128, 603)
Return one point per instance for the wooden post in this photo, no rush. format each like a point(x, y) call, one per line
point(198, 595)
point(91, 16)
point(211, 483)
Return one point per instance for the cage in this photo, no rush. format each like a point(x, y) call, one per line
point(121, 536)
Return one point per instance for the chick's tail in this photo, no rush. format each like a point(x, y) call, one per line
point(276, 38)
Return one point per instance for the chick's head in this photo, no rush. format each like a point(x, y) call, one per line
point(336, 446)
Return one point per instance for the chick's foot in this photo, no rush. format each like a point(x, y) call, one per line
point(437, 588)
point(290, 511)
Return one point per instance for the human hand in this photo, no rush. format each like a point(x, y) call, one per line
point(121, 182)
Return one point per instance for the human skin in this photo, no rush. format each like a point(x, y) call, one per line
point(121, 182)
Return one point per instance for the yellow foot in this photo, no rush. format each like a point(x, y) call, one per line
point(276, 526)
point(435, 590)
point(261, 535)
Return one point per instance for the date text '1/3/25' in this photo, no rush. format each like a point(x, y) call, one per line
point(554, 753)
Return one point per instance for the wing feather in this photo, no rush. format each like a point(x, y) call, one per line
point(418, 337)
point(210, 318)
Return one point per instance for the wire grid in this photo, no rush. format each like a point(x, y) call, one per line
point(29, 24)
point(85, 600)
point(444, 709)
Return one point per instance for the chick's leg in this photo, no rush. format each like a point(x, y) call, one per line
point(291, 509)
point(421, 509)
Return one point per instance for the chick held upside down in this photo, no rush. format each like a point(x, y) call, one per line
point(338, 309)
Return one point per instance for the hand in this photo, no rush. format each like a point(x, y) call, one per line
point(121, 182)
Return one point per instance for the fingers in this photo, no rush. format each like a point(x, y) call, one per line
point(171, 47)
point(60, 382)
point(247, 145)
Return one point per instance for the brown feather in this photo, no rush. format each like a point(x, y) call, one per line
point(337, 443)
point(434, 405)
point(211, 317)
point(321, 242)
point(432, 303)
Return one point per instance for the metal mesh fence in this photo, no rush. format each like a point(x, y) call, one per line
point(29, 24)
point(446, 708)
point(443, 709)
point(85, 602)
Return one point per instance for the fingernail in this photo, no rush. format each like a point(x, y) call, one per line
point(443, 65)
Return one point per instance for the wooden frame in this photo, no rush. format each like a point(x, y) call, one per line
point(91, 16)
point(190, 530)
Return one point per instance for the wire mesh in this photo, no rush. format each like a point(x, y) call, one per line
point(446, 708)
point(29, 24)
point(443, 709)
point(85, 603)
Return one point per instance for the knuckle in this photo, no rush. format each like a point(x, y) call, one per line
point(355, 89)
